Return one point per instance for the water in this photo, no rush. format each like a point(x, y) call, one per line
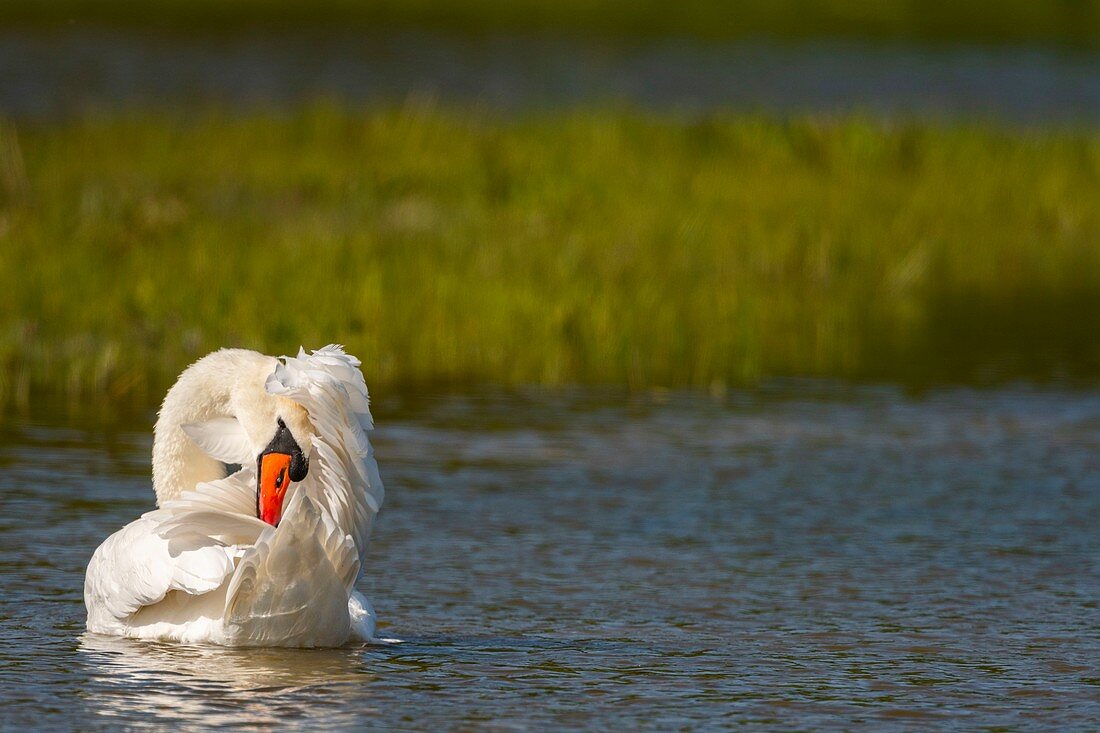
point(82, 69)
point(801, 557)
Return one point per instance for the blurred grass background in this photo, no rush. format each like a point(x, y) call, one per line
point(451, 245)
point(1061, 22)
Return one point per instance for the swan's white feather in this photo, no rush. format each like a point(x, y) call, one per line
point(222, 438)
point(137, 567)
point(362, 617)
point(288, 587)
point(235, 494)
point(203, 567)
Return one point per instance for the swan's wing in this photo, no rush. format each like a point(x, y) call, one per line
point(223, 511)
point(186, 546)
point(136, 567)
point(291, 588)
point(347, 485)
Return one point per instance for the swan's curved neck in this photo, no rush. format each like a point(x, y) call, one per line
point(204, 391)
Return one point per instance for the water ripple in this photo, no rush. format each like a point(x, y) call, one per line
point(855, 559)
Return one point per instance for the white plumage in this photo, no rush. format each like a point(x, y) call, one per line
point(203, 567)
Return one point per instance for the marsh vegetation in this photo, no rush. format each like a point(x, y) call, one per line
point(452, 245)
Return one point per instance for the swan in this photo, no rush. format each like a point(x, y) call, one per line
point(266, 488)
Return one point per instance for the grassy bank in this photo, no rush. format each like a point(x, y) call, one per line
point(597, 247)
point(1073, 22)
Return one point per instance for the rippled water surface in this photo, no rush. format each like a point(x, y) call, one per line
point(833, 559)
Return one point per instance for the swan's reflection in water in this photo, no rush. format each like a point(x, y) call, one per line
point(201, 686)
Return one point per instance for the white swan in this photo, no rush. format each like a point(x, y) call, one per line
point(269, 554)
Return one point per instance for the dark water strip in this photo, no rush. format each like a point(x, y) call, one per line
point(59, 74)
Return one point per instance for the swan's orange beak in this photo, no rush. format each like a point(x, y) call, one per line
point(274, 481)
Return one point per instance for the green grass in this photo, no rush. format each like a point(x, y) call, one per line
point(1073, 22)
point(454, 246)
